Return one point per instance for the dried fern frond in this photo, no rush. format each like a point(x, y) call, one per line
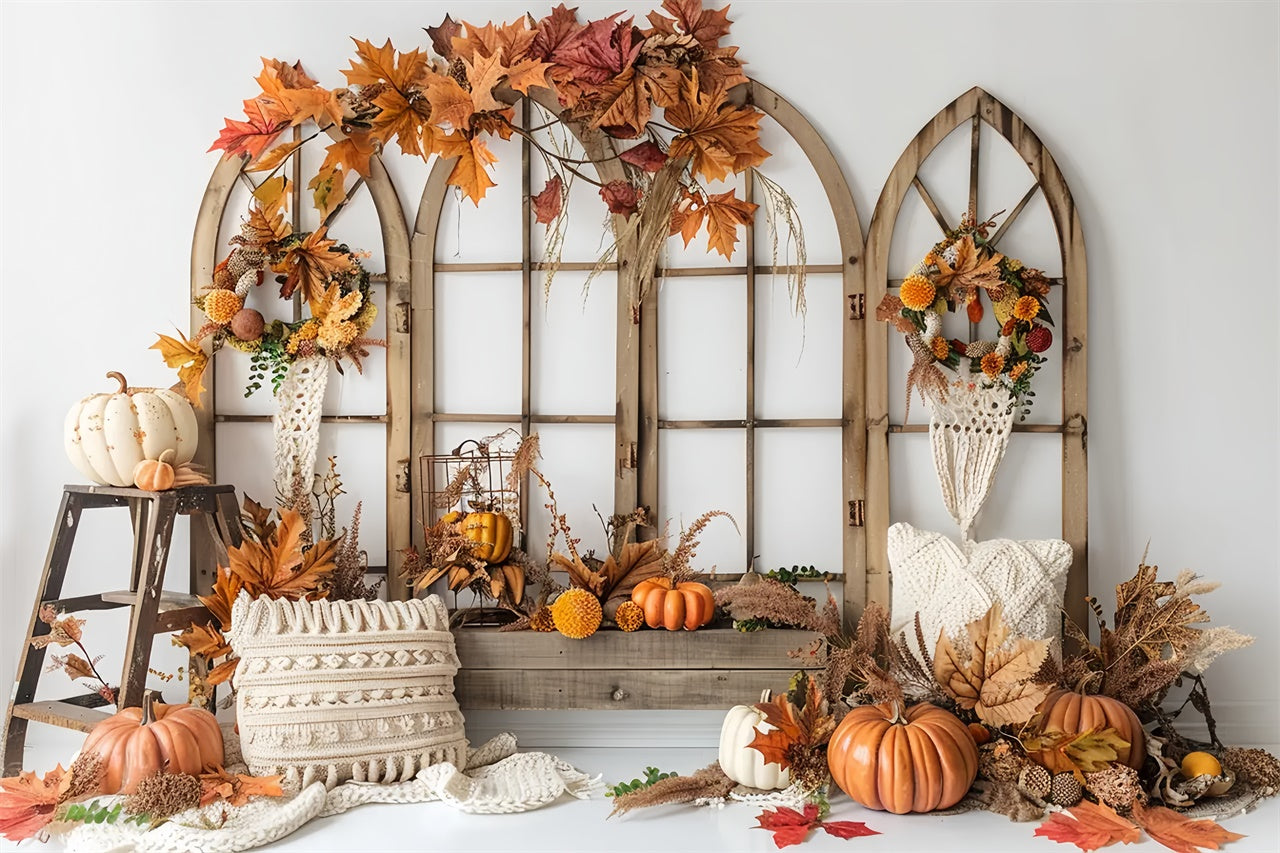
point(678, 565)
point(708, 783)
point(775, 602)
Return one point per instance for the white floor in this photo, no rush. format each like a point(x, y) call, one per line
point(573, 826)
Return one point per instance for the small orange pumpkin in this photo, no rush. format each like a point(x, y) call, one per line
point(918, 761)
point(1070, 712)
point(673, 606)
point(491, 531)
point(155, 475)
point(138, 742)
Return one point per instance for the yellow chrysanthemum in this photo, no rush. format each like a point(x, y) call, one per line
point(992, 364)
point(1026, 308)
point(306, 332)
point(917, 293)
point(336, 336)
point(1017, 370)
point(1012, 263)
point(221, 305)
point(941, 348)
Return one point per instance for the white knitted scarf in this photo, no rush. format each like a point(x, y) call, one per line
point(297, 421)
point(969, 431)
point(496, 780)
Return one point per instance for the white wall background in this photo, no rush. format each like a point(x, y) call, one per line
point(1163, 117)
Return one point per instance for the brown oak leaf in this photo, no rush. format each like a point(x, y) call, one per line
point(995, 680)
point(443, 35)
point(1088, 826)
point(1179, 832)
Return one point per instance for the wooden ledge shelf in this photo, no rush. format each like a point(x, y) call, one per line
point(710, 669)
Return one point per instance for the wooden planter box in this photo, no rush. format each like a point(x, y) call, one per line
point(710, 669)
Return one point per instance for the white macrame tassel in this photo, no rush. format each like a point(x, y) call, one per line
point(969, 432)
point(297, 421)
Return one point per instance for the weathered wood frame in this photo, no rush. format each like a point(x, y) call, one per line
point(205, 254)
point(703, 670)
point(977, 108)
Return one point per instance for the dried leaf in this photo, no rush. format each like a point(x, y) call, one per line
point(647, 155)
point(353, 153)
point(707, 26)
point(27, 802)
point(548, 203)
point(971, 270)
point(442, 36)
point(788, 825)
point(309, 265)
point(1179, 832)
point(599, 51)
point(847, 828)
point(190, 360)
point(724, 213)
point(1088, 826)
point(579, 574)
point(277, 567)
point(718, 137)
point(470, 172)
point(1076, 752)
point(637, 562)
point(708, 783)
point(620, 197)
point(249, 138)
point(237, 788)
point(799, 717)
point(996, 682)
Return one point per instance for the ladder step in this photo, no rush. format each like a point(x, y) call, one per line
point(62, 714)
point(168, 600)
point(84, 602)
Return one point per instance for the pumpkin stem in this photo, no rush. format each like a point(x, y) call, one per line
point(766, 696)
point(119, 377)
point(1086, 681)
point(149, 708)
point(167, 457)
point(897, 713)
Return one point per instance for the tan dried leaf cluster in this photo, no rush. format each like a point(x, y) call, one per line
point(996, 677)
point(706, 784)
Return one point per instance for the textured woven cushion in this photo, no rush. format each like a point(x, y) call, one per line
point(336, 690)
point(952, 584)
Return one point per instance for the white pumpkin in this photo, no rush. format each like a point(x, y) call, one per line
point(738, 760)
point(107, 435)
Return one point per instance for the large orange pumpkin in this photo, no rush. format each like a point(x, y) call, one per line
point(137, 742)
point(918, 761)
point(1070, 712)
point(673, 606)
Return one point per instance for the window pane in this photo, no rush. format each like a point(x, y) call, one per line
point(574, 348)
point(578, 460)
point(702, 348)
point(799, 359)
point(705, 469)
point(800, 510)
point(478, 340)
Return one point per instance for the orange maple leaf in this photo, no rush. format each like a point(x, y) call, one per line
point(328, 189)
point(275, 156)
point(806, 724)
point(27, 801)
point(249, 138)
point(469, 172)
point(266, 224)
point(724, 213)
point(289, 95)
point(718, 137)
point(1179, 832)
point(237, 788)
point(451, 104)
point(971, 270)
point(352, 153)
point(687, 216)
point(309, 265)
point(707, 26)
point(1088, 826)
point(403, 118)
point(402, 71)
point(278, 568)
point(189, 359)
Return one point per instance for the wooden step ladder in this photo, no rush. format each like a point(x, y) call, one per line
point(154, 611)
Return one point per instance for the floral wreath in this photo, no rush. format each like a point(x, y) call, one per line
point(955, 272)
point(328, 275)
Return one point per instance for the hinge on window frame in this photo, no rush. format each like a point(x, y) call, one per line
point(857, 306)
point(857, 512)
point(628, 457)
point(402, 476)
point(402, 317)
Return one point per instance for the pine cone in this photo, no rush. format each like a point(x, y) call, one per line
point(1118, 787)
point(1065, 790)
point(1035, 781)
point(977, 349)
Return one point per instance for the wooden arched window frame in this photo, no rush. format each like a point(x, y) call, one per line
point(978, 108)
point(636, 422)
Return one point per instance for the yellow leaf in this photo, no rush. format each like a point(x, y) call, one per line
point(190, 360)
point(274, 194)
point(996, 678)
point(327, 189)
point(352, 153)
point(274, 157)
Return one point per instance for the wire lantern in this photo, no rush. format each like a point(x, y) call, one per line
point(473, 477)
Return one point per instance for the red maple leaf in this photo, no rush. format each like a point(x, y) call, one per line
point(249, 137)
point(554, 30)
point(847, 828)
point(792, 827)
point(1088, 826)
point(599, 51)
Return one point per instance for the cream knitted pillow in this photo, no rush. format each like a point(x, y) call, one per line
point(334, 690)
point(953, 584)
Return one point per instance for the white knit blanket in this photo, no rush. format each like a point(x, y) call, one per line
point(497, 780)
